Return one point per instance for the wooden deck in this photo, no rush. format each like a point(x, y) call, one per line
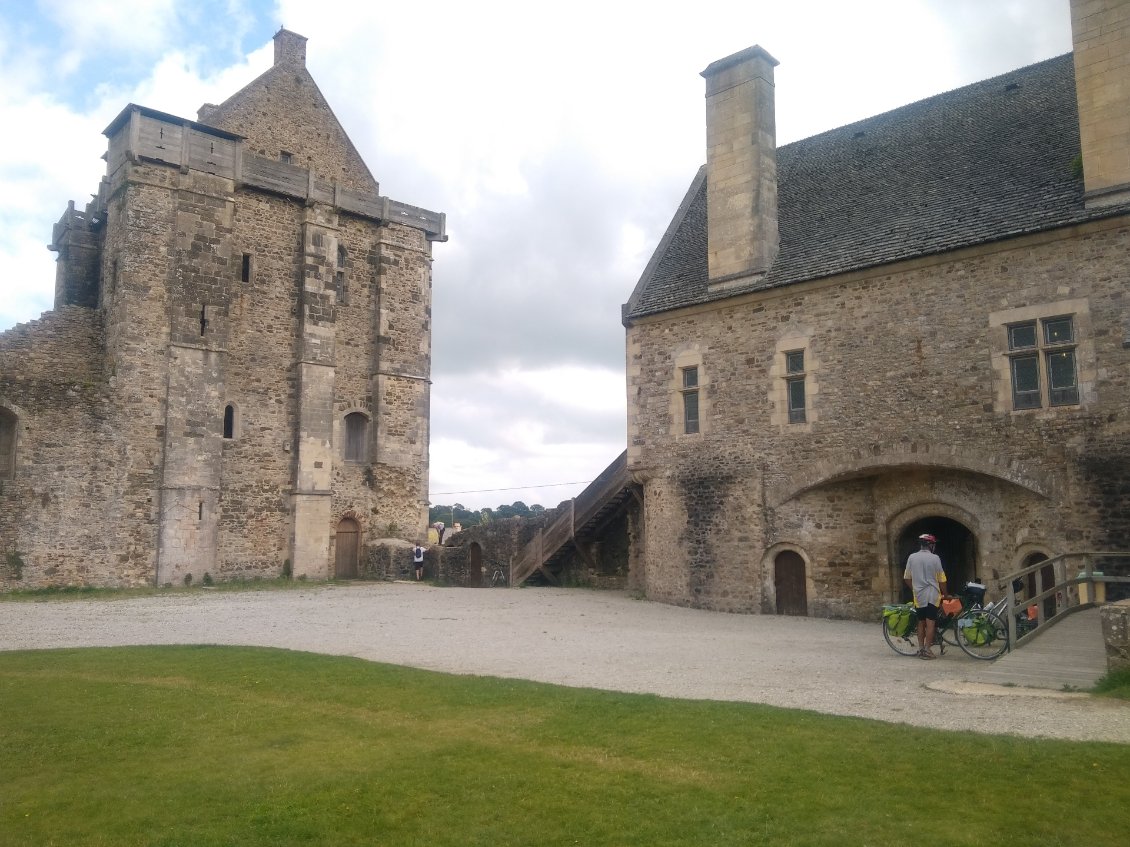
point(1070, 655)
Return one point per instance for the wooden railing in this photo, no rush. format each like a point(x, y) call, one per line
point(582, 509)
point(1080, 579)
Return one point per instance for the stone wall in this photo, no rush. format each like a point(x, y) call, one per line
point(1116, 634)
point(909, 416)
point(284, 112)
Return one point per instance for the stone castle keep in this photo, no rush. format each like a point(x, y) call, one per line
point(234, 380)
point(919, 322)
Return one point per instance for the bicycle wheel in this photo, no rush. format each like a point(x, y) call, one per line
point(982, 634)
point(904, 645)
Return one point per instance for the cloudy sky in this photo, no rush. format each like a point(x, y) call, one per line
point(558, 138)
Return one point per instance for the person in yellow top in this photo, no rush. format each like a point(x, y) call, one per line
point(927, 582)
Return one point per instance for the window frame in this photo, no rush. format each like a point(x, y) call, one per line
point(11, 420)
point(795, 374)
point(1033, 344)
point(692, 422)
point(355, 444)
point(340, 296)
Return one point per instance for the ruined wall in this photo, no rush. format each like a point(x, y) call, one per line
point(908, 395)
point(58, 499)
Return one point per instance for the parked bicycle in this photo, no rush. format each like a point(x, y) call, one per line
point(980, 631)
point(498, 579)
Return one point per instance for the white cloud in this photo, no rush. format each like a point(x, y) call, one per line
point(100, 25)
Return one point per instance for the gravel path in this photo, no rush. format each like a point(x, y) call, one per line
point(587, 639)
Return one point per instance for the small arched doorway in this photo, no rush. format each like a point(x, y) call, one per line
point(347, 548)
point(475, 566)
point(957, 548)
point(789, 583)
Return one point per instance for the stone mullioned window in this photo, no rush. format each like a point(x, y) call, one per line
point(1042, 356)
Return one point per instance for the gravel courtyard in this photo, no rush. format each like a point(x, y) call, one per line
point(592, 639)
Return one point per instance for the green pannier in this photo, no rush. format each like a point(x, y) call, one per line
point(978, 630)
point(900, 619)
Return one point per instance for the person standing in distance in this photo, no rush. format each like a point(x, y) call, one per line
point(927, 582)
point(418, 560)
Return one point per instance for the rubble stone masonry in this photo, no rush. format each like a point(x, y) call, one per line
point(910, 417)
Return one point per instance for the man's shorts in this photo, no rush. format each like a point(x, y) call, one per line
point(929, 612)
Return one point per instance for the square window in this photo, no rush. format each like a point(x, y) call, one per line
point(690, 377)
point(794, 362)
point(1021, 336)
point(1042, 363)
point(1063, 390)
point(1058, 331)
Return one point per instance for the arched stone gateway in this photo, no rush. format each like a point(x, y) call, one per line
point(957, 548)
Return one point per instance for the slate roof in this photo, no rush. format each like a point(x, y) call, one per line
point(992, 160)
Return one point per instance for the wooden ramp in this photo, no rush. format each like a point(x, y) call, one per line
point(587, 514)
point(1070, 655)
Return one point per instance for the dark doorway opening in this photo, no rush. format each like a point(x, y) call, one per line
point(346, 549)
point(788, 579)
point(957, 548)
point(475, 567)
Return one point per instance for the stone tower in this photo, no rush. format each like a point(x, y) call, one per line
point(249, 322)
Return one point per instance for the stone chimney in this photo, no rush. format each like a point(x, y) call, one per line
point(290, 49)
point(741, 166)
point(1100, 33)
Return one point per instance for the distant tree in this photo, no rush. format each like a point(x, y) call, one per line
point(517, 509)
point(456, 513)
point(537, 509)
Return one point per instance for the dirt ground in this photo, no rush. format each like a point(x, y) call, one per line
point(583, 638)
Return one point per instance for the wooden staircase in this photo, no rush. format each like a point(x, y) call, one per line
point(587, 514)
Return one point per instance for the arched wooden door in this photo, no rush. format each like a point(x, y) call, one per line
point(788, 578)
point(475, 566)
point(347, 548)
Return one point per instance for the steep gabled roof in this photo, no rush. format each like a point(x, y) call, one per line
point(991, 160)
point(284, 110)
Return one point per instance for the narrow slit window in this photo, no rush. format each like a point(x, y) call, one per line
point(229, 421)
point(339, 276)
point(794, 386)
point(203, 319)
point(690, 401)
point(245, 268)
point(7, 444)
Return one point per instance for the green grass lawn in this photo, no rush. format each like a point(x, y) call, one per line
point(239, 746)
